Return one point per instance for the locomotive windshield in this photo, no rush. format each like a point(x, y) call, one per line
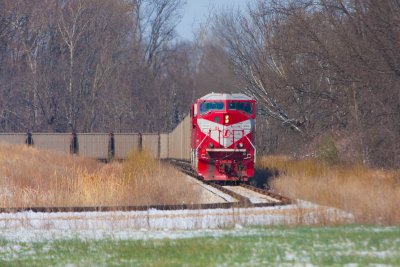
point(208, 106)
point(242, 106)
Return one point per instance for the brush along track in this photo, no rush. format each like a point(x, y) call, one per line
point(239, 199)
point(247, 195)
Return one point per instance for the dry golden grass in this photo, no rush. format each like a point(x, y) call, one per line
point(372, 196)
point(32, 178)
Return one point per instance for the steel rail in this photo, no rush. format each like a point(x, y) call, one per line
point(185, 166)
point(282, 199)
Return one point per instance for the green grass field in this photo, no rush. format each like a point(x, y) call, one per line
point(250, 246)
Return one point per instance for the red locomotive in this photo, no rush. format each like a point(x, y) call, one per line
point(223, 137)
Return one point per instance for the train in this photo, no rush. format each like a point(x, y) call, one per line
point(223, 137)
point(217, 138)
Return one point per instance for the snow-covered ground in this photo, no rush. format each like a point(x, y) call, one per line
point(32, 226)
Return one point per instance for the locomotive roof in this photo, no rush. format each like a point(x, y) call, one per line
point(218, 96)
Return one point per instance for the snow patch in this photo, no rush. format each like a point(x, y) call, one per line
point(119, 224)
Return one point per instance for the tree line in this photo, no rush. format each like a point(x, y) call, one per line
point(318, 68)
point(321, 69)
point(91, 65)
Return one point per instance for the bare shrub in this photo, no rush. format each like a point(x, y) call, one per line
point(327, 151)
point(32, 178)
point(372, 196)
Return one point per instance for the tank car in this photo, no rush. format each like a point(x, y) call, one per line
point(223, 137)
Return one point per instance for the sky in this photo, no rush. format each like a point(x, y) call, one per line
point(196, 12)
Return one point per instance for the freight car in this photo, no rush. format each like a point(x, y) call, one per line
point(223, 137)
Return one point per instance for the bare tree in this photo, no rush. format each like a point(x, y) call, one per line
point(248, 42)
point(105, 44)
point(73, 24)
point(321, 67)
point(156, 21)
point(81, 65)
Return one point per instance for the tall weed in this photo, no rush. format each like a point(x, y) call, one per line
point(372, 196)
point(30, 178)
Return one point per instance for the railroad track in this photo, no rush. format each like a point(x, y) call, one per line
point(246, 196)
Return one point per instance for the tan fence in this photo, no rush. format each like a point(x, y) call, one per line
point(102, 146)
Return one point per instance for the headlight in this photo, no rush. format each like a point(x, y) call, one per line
point(226, 119)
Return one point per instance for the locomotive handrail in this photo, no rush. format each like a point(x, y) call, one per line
point(255, 150)
point(197, 148)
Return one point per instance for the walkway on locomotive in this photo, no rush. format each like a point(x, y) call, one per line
point(229, 120)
